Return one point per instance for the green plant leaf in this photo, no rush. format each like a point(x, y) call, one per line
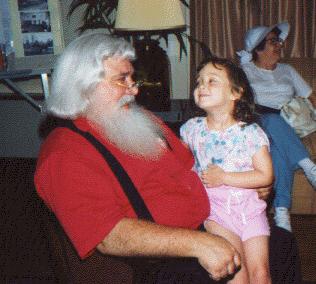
point(96, 15)
point(182, 47)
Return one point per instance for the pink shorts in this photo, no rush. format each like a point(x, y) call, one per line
point(240, 211)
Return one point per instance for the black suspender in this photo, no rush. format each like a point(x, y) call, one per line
point(126, 183)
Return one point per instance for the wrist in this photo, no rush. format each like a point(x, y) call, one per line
point(194, 243)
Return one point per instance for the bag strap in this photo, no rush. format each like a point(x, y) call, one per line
point(125, 181)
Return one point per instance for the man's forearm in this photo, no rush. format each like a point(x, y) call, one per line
point(132, 237)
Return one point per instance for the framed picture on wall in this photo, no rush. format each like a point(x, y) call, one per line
point(36, 27)
point(31, 33)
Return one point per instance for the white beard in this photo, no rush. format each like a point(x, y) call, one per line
point(130, 129)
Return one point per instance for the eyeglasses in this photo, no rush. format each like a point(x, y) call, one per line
point(122, 83)
point(275, 40)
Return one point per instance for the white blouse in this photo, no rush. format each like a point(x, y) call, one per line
point(274, 88)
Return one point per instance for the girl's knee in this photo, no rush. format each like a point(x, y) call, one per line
point(259, 274)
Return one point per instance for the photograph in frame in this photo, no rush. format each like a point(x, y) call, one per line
point(37, 32)
point(35, 27)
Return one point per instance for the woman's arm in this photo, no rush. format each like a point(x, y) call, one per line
point(133, 237)
point(261, 176)
point(312, 99)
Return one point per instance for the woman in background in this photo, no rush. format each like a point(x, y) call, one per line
point(274, 84)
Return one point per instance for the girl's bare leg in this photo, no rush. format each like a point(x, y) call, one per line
point(241, 277)
point(256, 251)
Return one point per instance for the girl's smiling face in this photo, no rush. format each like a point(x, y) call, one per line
point(214, 89)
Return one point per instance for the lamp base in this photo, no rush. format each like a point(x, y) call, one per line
point(153, 68)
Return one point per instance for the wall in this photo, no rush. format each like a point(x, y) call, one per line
point(19, 121)
point(18, 129)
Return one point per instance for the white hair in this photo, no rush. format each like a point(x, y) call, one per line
point(79, 69)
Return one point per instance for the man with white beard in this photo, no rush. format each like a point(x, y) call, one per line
point(93, 87)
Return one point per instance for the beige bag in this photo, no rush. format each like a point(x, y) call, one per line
point(300, 114)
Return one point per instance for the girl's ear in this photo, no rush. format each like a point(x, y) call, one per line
point(237, 93)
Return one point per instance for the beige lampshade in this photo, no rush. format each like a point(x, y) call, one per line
point(145, 15)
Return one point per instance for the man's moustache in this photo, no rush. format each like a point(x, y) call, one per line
point(126, 100)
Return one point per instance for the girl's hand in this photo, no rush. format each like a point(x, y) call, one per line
point(213, 176)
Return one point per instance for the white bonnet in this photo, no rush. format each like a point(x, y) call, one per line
point(256, 34)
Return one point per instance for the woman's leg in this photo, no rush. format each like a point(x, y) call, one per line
point(287, 151)
point(241, 276)
point(256, 252)
point(284, 138)
point(284, 176)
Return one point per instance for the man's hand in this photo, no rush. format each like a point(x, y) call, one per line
point(213, 176)
point(217, 256)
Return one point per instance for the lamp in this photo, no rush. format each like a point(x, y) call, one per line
point(144, 15)
point(142, 19)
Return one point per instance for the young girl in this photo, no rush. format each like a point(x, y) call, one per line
point(232, 158)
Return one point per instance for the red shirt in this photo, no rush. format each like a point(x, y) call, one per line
point(74, 180)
